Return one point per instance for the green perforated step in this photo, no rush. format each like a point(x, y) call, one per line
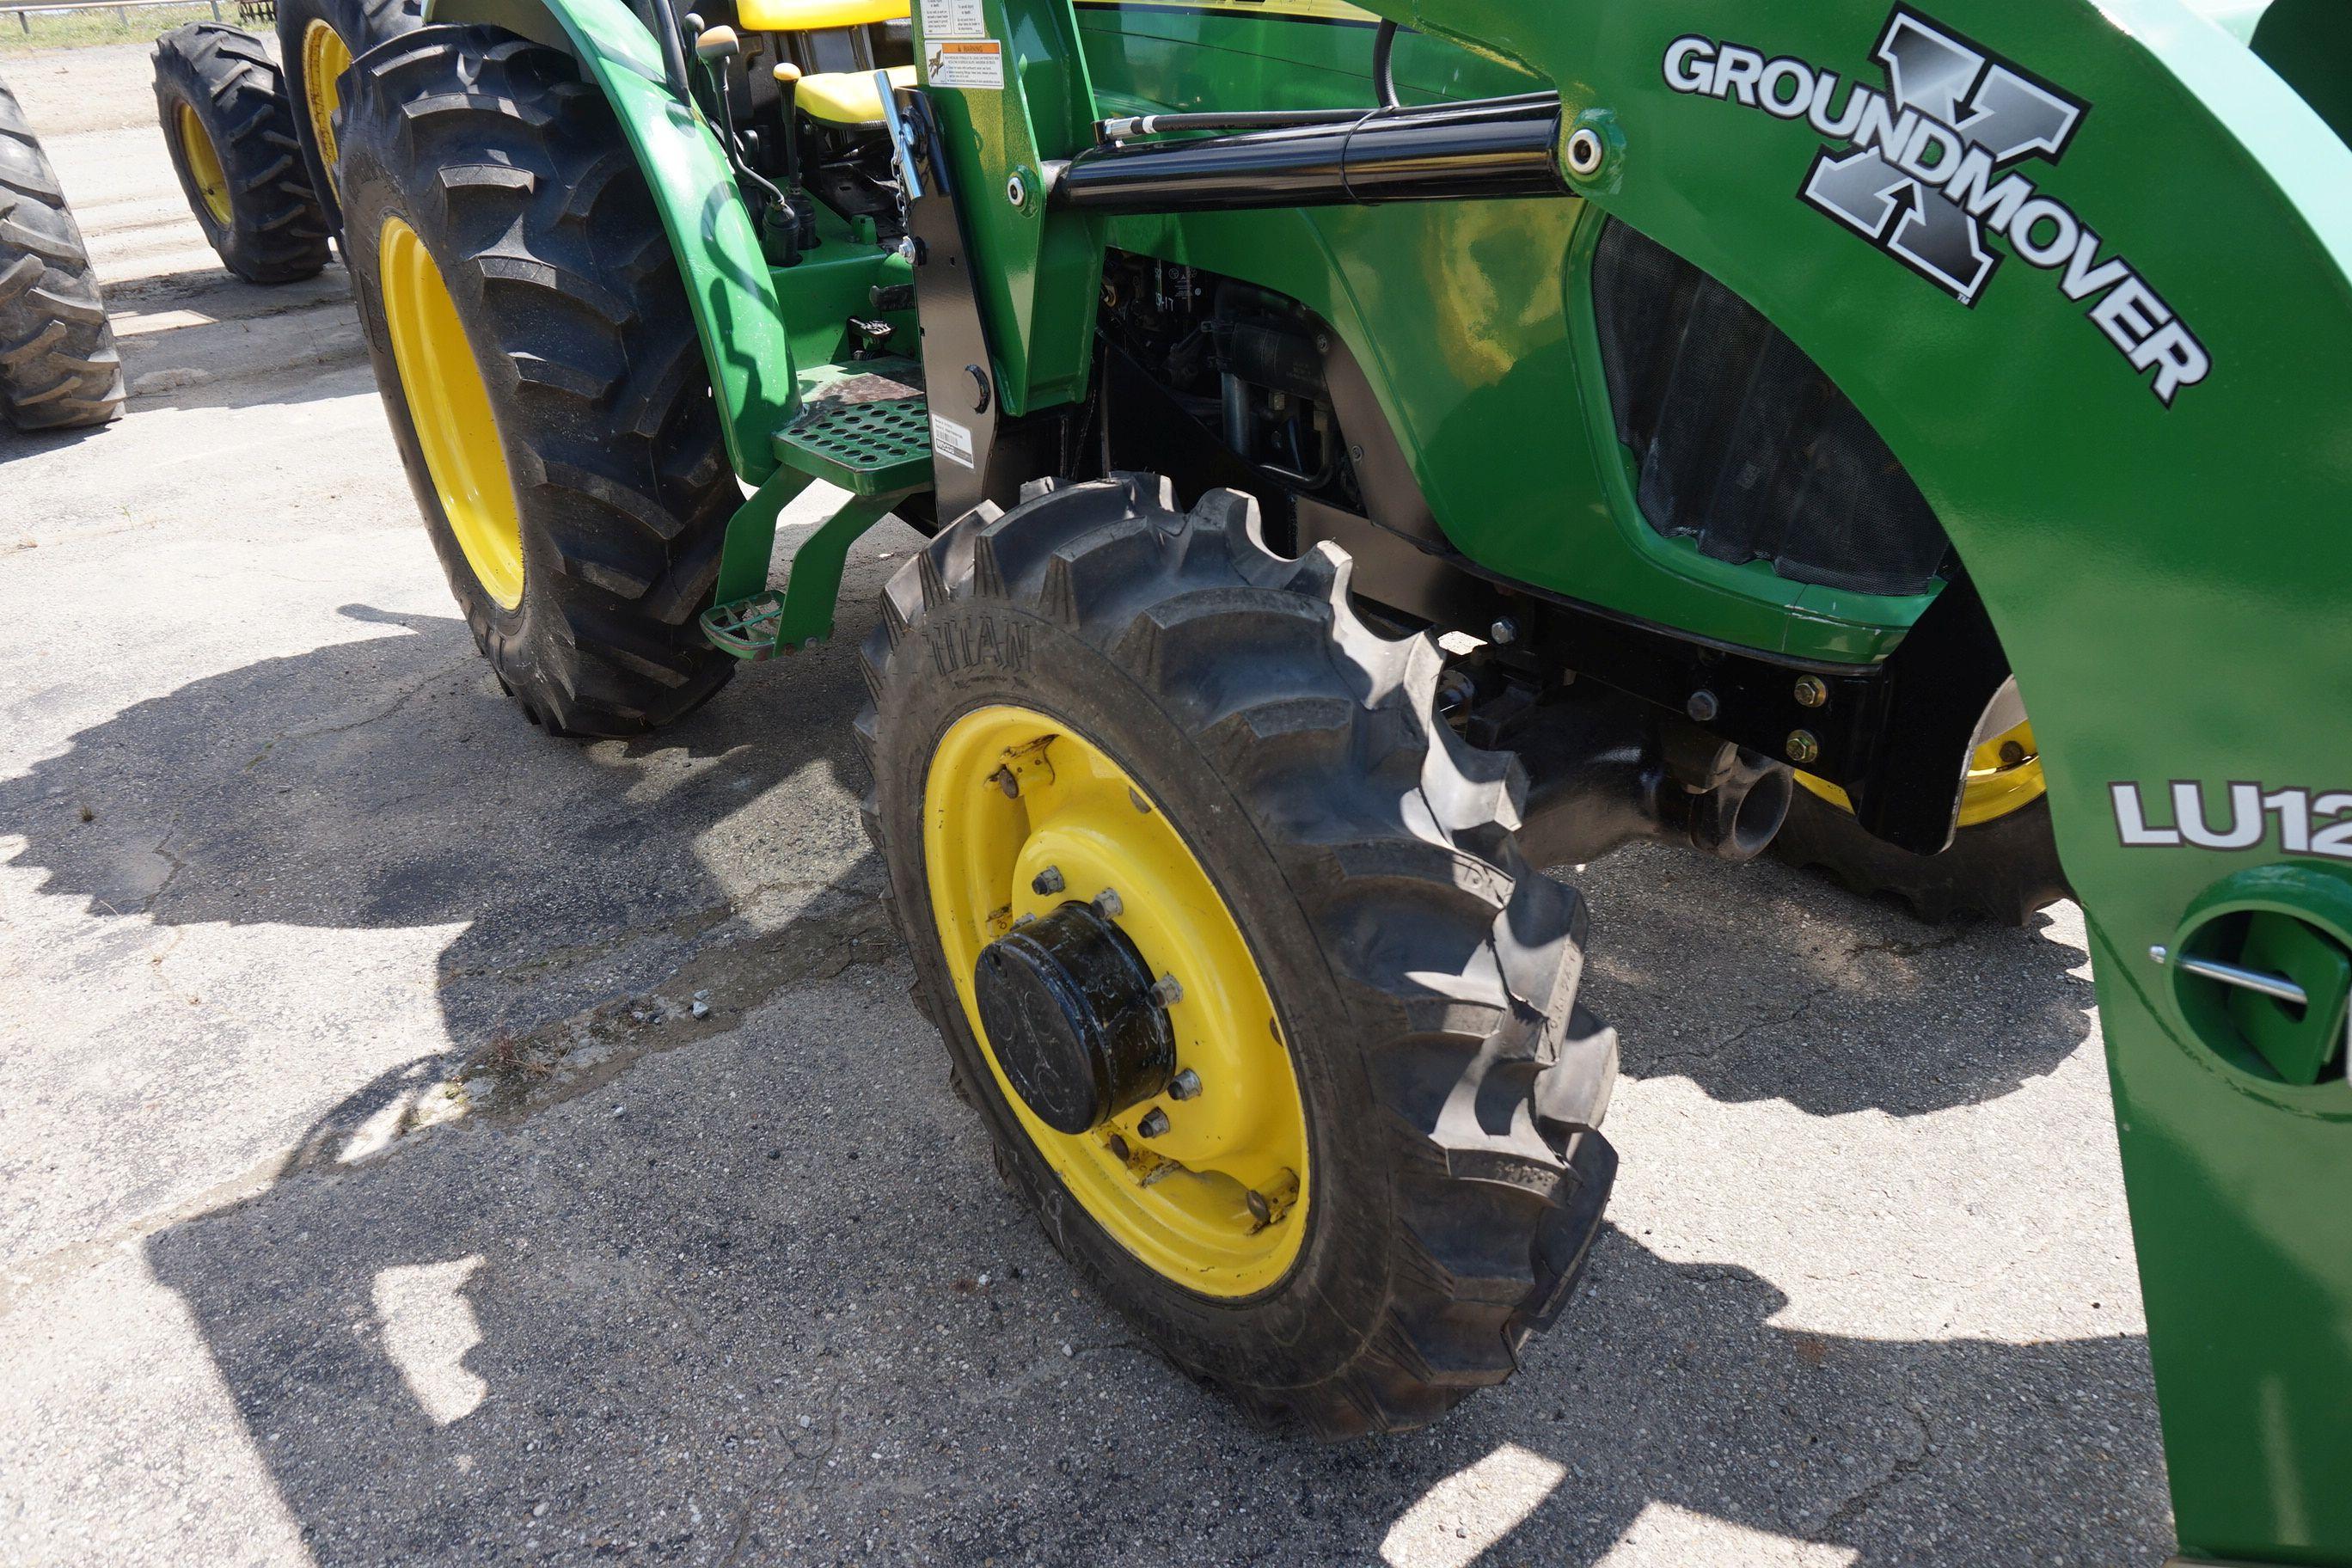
point(868, 447)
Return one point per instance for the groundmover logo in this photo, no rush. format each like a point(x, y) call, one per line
point(1931, 166)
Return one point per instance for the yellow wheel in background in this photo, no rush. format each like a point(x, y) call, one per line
point(1218, 1201)
point(325, 56)
point(2004, 776)
point(450, 407)
point(203, 163)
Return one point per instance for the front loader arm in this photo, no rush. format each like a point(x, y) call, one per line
point(737, 314)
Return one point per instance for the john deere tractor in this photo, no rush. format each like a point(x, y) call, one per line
point(1370, 456)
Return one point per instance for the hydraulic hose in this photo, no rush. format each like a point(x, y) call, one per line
point(1384, 65)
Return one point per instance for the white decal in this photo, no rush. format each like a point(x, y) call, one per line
point(973, 62)
point(953, 19)
point(951, 440)
point(1927, 169)
point(2238, 815)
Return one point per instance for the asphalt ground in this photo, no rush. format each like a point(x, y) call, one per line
point(374, 1193)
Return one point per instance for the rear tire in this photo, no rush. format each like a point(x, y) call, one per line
point(230, 131)
point(59, 367)
point(354, 26)
point(1424, 974)
point(517, 179)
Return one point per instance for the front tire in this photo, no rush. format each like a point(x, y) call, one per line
point(534, 350)
point(1423, 977)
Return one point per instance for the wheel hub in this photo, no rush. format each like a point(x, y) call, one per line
point(1068, 1005)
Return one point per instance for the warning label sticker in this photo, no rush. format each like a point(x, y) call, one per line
point(951, 440)
point(953, 19)
point(964, 62)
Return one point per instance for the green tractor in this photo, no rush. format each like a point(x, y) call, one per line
point(1372, 456)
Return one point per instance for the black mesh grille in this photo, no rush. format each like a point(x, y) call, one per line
point(1745, 447)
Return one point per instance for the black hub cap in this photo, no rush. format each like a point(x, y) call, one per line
point(1067, 1004)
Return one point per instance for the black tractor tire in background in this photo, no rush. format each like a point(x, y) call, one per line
point(272, 230)
point(1425, 975)
point(2002, 870)
point(361, 24)
point(517, 180)
point(59, 367)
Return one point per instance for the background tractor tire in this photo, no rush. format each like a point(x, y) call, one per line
point(515, 177)
point(317, 41)
point(230, 131)
point(2002, 870)
point(58, 368)
point(1423, 973)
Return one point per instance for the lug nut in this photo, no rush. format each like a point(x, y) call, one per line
point(1185, 1086)
point(1110, 905)
point(1260, 1210)
point(1047, 881)
point(1703, 707)
point(1167, 992)
point(1803, 747)
point(1154, 1123)
point(1811, 692)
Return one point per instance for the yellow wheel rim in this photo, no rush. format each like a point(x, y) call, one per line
point(324, 58)
point(1218, 1202)
point(203, 163)
point(450, 408)
point(2004, 776)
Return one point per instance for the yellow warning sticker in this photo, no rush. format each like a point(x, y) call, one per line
point(963, 62)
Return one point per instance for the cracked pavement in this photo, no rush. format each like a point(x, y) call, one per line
point(375, 1193)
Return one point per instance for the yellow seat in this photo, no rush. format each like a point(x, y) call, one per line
point(848, 98)
point(816, 15)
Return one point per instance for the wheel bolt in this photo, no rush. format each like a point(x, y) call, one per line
point(1154, 1123)
point(1260, 1210)
point(1167, 992)
point(1109, 903)
point(1186, 1086)
point(1004, 779)
point(1047, 881)
point(1118, 1147)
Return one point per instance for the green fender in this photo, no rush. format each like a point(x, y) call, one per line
point(736, 310)
point(2167, 578)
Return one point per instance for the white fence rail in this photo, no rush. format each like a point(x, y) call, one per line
point(122, 9)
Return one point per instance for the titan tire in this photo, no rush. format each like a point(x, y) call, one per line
point(1423, 977)
point(225, 121)
point(317, 39)
point(58, 368)
point(581, 491)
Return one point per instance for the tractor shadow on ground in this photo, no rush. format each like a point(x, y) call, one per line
point(1759, 982)
point(561, 1332)
point(649, 1338)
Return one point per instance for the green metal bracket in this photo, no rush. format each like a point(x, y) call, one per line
point(759, 625)
point(879, 450)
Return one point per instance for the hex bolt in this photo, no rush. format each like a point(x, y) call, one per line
point(1154, 1123)
point(1167, 992)
point(1109, 904)
point(1186, 1085)
point(1047, 882)
point(1503, 632)
point(1260, 1210)
point(1585, 152)
point(1803, 747)
point(1811, 691)
point(1703, 707)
